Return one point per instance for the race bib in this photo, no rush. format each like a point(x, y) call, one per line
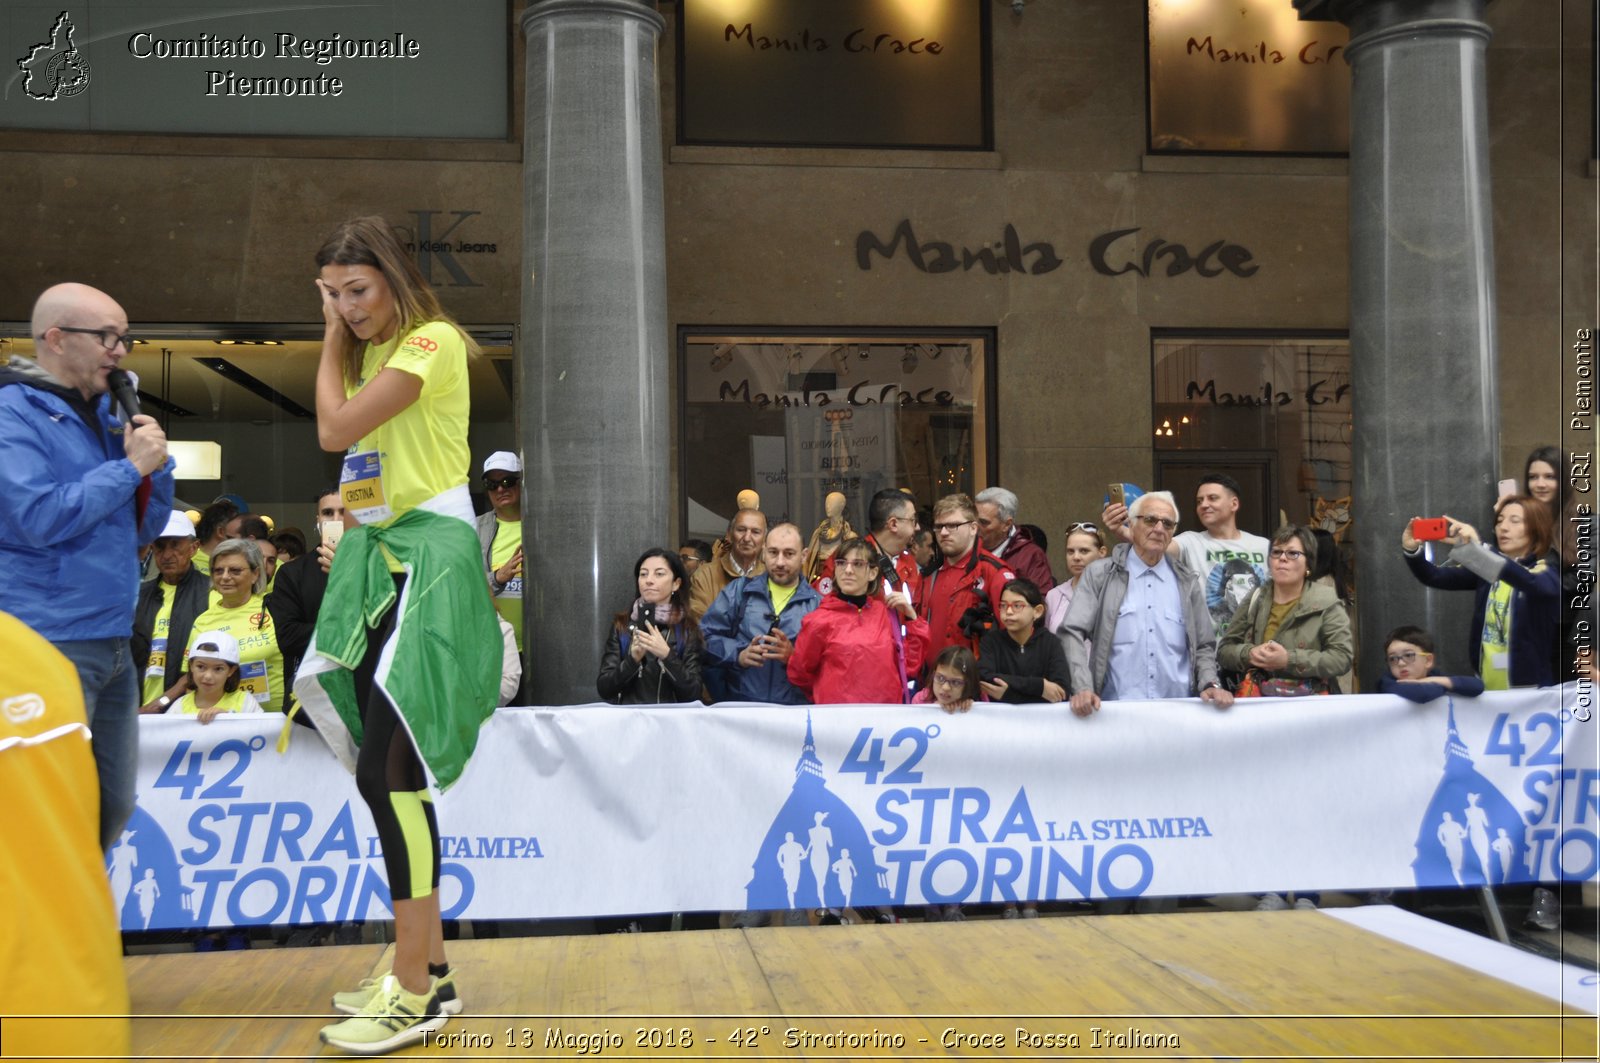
point(361, 487)
point(157, 668)
point(253, 677)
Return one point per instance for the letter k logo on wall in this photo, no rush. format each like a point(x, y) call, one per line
point(434, 247)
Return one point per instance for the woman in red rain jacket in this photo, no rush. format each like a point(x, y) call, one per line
point(859, 645)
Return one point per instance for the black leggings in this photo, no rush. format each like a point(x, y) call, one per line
point(391, 780)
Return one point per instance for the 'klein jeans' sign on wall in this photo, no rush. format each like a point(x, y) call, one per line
point(1010, 255)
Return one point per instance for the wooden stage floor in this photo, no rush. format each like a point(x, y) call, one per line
point(1241, 985)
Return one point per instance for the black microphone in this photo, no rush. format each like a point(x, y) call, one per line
point(124, 393)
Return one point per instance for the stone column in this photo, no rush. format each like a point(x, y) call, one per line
point(1422, 317)
point(593, 358)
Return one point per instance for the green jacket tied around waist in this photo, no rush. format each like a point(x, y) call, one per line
point(441, 665)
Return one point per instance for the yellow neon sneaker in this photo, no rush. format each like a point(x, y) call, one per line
point(391, 1019)
point(352, 1001)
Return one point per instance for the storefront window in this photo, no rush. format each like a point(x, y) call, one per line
point(835, 73)
point(251, 391)
point(1246, 76)
point(797, 416)
point(1273, 411)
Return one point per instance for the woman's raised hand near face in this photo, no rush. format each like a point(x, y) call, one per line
point(331, 319)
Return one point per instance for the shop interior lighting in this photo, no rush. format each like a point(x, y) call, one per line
point(199, 459)
point(233, 374)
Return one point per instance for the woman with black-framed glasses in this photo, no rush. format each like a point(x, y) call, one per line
point(1290, 636)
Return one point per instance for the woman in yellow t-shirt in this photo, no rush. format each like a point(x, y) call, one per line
point(239, 579)
point(392, 393)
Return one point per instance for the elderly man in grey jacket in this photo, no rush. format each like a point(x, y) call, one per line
point(1167, 646)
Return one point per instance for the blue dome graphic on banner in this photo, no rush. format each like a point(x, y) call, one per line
point(1470, 834)
point(146, 879)
point(815, 838)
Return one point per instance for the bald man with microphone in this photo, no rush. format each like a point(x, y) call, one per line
point(85, 481)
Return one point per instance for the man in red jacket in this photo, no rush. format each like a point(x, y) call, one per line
point(968, 585)
point(1005, 539)
point(893, 516)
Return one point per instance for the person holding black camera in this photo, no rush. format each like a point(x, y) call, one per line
point(652, 655)
point(961, 600)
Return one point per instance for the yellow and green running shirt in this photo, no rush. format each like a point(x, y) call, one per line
point(260, 662)
point(422, 451)
point(508, 603)
point(1494, 662)
point(781, 596)
point(155, 673)
point(240, 700)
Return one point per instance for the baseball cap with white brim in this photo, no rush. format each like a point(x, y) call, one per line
point(227, 647)
point(179, 526)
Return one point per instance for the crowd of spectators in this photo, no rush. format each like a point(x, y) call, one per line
point(954, 605)
point(1141, 611)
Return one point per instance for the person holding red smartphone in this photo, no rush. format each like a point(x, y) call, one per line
point(1515, 620)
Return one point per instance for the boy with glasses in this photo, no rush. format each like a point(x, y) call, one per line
point(1408, 651)
point(1411, 673)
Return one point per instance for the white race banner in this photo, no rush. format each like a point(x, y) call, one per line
point(600, 810)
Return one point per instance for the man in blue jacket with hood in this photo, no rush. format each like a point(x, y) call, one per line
point(74, 509)
point(751, 628)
